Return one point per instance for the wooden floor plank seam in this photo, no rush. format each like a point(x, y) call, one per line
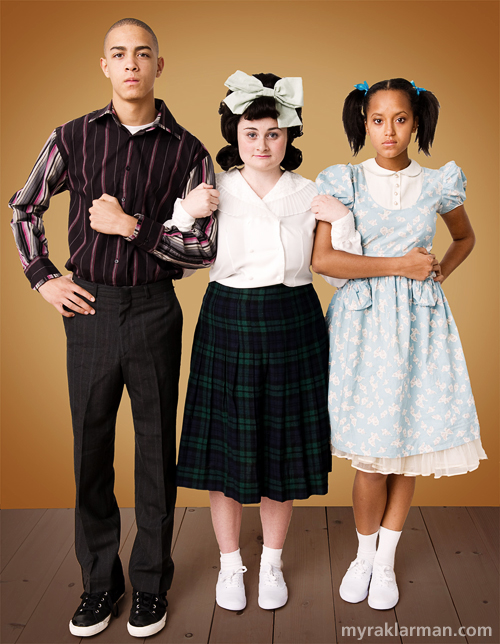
point(442, 572)
point(21, 542)
point(329, 541)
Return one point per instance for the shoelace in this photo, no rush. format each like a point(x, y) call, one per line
point(269, 577)
point(230, 579)
point(384, 575)
point(93, 602)
point(145, 602)
point(359, 567)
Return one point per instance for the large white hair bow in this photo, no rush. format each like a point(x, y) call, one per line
point(287, 93)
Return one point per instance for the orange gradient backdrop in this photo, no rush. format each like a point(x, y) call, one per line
point(50, 74)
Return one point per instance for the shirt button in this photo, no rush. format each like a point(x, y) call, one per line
point(117, 261)
point(123, 198)
point(397, 185)
point(251, 251)
point(127, 168)
point(395, 203)
point(396, 193)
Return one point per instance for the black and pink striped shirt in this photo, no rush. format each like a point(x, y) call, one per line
point(146, 171)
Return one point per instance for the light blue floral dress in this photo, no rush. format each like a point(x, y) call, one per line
point(400, 398)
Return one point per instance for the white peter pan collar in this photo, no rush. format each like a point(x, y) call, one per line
point(413, 170)
point(292, 194)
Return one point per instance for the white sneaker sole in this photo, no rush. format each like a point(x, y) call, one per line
point(352, 599)
point(231, 606)
point(146, 631)
point(88, 631)
point(382, 605)
point(272, 606)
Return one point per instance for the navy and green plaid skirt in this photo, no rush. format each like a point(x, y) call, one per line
point(256, 416)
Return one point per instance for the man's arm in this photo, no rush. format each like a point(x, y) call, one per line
point(188, 239)
point(47, 178)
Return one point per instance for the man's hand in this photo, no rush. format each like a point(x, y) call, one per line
point(107, 216)
point(202, 201)
point(62, 291)
point(328, 208)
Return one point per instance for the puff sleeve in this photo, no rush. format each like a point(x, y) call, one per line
point(453, 184)
point(337, 181)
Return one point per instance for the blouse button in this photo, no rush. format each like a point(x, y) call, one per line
point(395, 203)
point(396, 193)
point(397, 185)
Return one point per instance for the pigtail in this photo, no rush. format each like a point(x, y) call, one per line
point(427, 112)
point(354, 120)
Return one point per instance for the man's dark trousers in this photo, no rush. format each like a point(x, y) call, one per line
point(134, 339)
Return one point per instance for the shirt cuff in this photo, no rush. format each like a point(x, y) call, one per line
point(343, 230)
point(39, 271)
point(147, 233)
point(181, 219)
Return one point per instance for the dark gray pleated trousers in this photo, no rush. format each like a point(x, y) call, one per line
point(134, 339)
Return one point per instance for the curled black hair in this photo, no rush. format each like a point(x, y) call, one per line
point(261, 108)
point(424, 106)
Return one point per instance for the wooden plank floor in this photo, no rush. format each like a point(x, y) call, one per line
point(446, 566)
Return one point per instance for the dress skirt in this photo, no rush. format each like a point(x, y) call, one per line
point(256, 417)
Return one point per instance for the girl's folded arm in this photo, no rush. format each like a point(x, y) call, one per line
point(417, 264)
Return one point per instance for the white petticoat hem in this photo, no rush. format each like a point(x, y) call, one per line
point(448, 462)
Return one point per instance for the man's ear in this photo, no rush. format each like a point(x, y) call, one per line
point(104, 67)
point(160, 66)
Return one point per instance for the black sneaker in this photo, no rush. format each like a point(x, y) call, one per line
point(94, 613)
point(148, 614)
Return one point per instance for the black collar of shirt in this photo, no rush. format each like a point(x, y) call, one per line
point(164, 118)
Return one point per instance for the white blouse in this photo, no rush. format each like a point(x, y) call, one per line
point(393, 190)
point(261, 242)
point(266, 241)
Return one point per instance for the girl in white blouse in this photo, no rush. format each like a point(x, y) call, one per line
point(256, 424)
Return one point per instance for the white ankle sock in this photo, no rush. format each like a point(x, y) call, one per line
point(367, 546)
point(272, 556)
point(387, 542)
point(231, 560)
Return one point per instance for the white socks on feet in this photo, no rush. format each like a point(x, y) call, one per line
point(386, 551)
point(271, 556)
point(367, 546)
point(230, 560)
point(273, 592)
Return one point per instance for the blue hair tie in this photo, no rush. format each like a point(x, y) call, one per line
point(363, 87)
point(418, 89)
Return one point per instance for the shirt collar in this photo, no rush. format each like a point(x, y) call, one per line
point(413, 170)
point(164, 118)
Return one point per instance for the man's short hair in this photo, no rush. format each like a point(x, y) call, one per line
point(136, 23)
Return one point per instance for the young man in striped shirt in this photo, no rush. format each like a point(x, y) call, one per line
point(142, 199)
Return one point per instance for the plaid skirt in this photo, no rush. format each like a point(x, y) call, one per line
point(256, 416)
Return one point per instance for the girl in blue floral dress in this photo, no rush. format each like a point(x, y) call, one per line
point(400, 399)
